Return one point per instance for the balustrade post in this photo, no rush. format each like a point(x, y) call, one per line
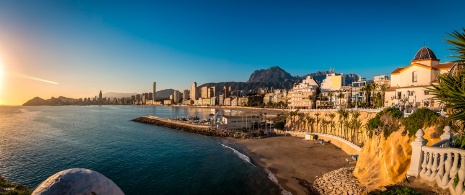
point(417, 154)
point(447, 135)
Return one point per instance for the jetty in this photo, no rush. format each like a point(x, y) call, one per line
point(188, 127)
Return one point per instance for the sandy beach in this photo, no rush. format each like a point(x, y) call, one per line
point(291, 161)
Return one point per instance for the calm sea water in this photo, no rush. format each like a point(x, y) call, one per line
point(36, 142)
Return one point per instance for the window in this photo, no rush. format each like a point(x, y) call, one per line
point(426, 92)
point(414, 76)
point(399, 95)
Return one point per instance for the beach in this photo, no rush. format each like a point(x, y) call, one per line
point(295, 162)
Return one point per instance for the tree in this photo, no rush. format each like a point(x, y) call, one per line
point(331, 116)
point(310, 121)
point(451, 87)
point(301, 120)
point(383, 89)
point(330, 94)
point(340, 96)
point(317, 120)
point(343, 116)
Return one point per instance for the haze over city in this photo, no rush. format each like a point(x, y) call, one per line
point(75, 49)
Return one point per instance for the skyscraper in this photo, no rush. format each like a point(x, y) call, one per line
point(154, 90)
point(194, 93)
point(185, 94)
point(204, 92)
point(100, 96)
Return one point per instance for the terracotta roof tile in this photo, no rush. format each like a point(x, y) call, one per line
point(397, 70)
point(447, 65)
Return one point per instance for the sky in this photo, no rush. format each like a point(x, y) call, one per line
point(76, 48)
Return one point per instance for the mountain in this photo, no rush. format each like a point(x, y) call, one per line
point(273, 74)
point(273, 77)
point(37, 101)
point(164, 94)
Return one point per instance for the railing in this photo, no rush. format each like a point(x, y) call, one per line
point(349, 109)
point(438, 163)
point(342, 140)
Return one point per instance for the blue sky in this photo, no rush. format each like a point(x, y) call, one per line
point(123, 46)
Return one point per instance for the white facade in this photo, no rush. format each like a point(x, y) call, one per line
point(409, 84)
point(332, 82)
point(302, 95)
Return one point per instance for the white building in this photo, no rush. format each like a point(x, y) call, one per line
point(302, 95)
point(333, 81)
point(409, 84)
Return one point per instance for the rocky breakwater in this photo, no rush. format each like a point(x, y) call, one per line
point(191, 128)
point(339, 181)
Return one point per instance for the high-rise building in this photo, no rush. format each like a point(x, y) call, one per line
point(204, 92)
point(211, 92)
point(226, 91)
point(100, 96)
point(194, 94)
point(185, 94)
point(154, 90)
point(176, 97)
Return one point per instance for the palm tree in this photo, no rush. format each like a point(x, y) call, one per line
point(451, 87)
point(340, 96)
point(292, 114)
point(331, 116)
point(317, 114)
point(343, 115)
point(383, 89)
point(301, 120)
point(324, 124)
point(310, 121)
point(353, 124)
point(330, 94)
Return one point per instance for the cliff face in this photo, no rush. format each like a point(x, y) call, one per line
point(383, 161)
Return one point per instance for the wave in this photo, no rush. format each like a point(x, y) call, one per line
point(268, 172)
point(240, 155)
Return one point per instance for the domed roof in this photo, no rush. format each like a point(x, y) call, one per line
point(425, 54)
point(77, 181)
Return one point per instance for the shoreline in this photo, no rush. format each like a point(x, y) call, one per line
point(294, 166)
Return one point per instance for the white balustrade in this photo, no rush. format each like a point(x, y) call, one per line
point(438, 163)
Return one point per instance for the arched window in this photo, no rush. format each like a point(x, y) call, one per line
point(414, 76)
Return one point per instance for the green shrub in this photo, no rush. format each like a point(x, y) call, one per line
point(16, 189)
point(401, 191)
point(459, 142)
point(385, 121)
point(421, 118)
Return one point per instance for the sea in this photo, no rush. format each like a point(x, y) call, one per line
point(37, 142)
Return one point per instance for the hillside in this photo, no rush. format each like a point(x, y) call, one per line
point(37, 101)
point(273, 77)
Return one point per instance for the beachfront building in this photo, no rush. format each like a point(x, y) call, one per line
point(213, 101)
point(204, 92)
point(237, 122)
point(176, 97)
point(227, 101)
point(276, 96)
point(409, 84)
point(302, 95)
point(167, 102)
